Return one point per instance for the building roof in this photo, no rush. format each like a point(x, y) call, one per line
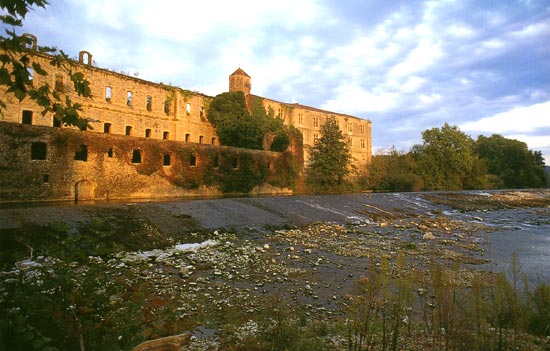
point(239, 72)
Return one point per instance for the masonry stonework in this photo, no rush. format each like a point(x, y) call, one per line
point(157, 121)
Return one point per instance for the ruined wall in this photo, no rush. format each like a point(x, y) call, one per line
point(122, 104)
point(46, 163)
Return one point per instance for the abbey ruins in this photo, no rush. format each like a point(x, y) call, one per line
point(149, 140)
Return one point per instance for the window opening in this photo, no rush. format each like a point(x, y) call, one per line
point(235, 163)
point(58, 82)
point(201, 138)
point(166, 106)
point(216, 161)
point(193, 160)
point(188, 109)
point(166, 160)
point(30, 72)
point(38, 151)
point(46, 178)
point(213, 141)
point(350, 127)
point(110, 153)
point(107, 128)
point(128, 130)
point(201, 111)
point(27, 117)
point(315, 121)
point(82, 153)
point(129, 98)
point(165, 135)
point(56, 123)
point(315, 137)
point(149, 103)
point(147, 133)
point(136, 156)
point(187, 137)
point(108, 92)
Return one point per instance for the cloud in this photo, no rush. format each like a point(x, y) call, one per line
point(517, 120)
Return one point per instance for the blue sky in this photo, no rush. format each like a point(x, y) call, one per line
point(408, 66)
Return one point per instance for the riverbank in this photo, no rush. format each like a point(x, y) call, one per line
point(210, 265)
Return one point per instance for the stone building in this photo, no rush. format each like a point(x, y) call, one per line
point(146, 139)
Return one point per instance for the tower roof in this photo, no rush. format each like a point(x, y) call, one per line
point(239, 72)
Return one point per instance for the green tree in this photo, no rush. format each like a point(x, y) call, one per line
point(233, 123)
point(446, 160)
point(16, 67)
point(330, 163)
point(392, 170)
point(510, 163)
point(237, 127)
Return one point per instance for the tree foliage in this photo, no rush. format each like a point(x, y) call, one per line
point(16, 67)
point(237, 127)
point(330, 162)
point(446, 160)
point(510, 163)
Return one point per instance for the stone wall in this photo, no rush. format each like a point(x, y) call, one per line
point(47, 163)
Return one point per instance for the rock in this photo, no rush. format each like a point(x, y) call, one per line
point(170, 343)
point(428, 236)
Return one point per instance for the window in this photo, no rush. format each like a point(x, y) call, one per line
point(166, 160)
point(188, 109)
point(201, 111)
point(56, 123)
point(136, 156)
point(46, 178)
point(149, 103)
point(166, 106)
point(27, 117)
point(316, 121)
point(315, 137)
point(107, 128)
point(129, 98)
point(235, 163)
point(187, 137)
point(108, 92)
point(165, 135)
point(110, 153)
point(147, 133)
point(363, 143)
point(213, 141)
point(201, 138)
point(350, 127)
point(38, 151)
point(30, 71)
point(82, 153)
point(58, 82)
point(128, 130)
point(300, 118)
point(362, 128)
point(193, 160)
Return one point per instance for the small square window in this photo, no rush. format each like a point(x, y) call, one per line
point(166, 135)
point(128, 130)
point(107, 128)
point(166, 160)
point(148, 133)
point(38, 151)
point(81, 154)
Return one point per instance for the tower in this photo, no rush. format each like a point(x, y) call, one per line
point(239, 81)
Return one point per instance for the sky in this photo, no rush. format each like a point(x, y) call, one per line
point(407, 66)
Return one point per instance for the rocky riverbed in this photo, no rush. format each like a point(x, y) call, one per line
point(205, 260)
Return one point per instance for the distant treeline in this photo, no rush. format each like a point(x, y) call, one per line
point(449, 159)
